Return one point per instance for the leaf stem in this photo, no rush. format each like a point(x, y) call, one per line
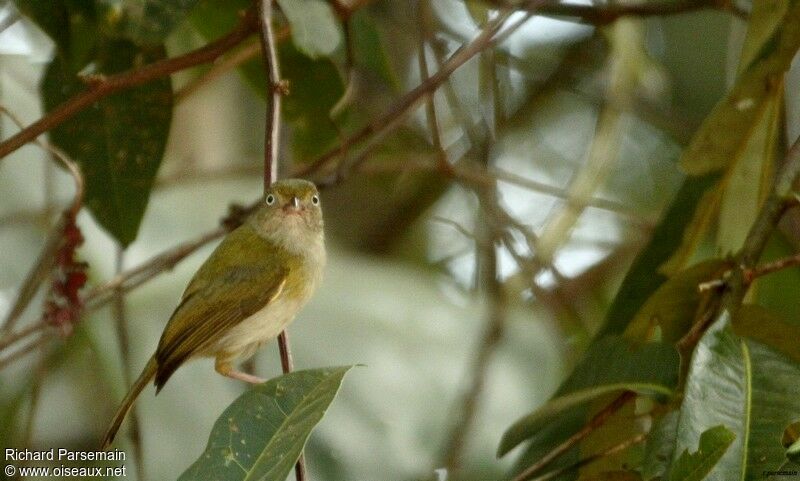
point(598, 420)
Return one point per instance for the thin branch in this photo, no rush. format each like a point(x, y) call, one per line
point(411, 100)
point(106, 86)
point(22, 352)
point(273, 124)
point(594, 457)
point(123, 337)
point(46, 259)
point(605, 13)
point(275, 89)
point(598, 420)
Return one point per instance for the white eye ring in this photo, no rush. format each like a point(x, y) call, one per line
point(315, 200)
point(270, 199)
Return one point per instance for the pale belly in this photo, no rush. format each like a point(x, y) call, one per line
point(243, 339)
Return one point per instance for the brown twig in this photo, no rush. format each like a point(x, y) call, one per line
point(114, 83)
point(408, 102)
point(598, 420)
point(123, 337)
point(271, 149)
point(46, 259)
point(605, 13)
point(22, 352)
point(594, 457)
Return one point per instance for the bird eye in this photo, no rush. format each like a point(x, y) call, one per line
point(315, 200)
point(270, 199)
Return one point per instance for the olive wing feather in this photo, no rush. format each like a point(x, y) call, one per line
point(239, 278)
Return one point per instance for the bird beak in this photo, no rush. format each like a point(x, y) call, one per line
point(293, 204)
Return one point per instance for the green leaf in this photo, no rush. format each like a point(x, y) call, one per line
point(612, 476)
point(315, 29)
point(725, 132)
point(673, 306)
point(771, 290)
point(696, 466)
point(612, 364)
point(747, 387)
point(261, 435)
point(643, 277)
point(145, 22)
point(314, 88)
point(119, 142)
point(660, 446)
point(767, 327)
point(71, 24)
point(369, 50)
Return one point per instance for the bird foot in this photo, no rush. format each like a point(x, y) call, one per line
point(228, 371)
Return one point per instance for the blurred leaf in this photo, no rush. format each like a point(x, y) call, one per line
point(120, 141)
point(315, 28)
point(673, 306)
point(747, 387)
point(71, 24)
point(763, 23)
point(261, 435)
point(551, 435)
point(613, 476)
point(144, 22)
point(793, 452)
point(696, 466)
point(762, 325)
point(723, 135)
point(660, 446)
point(369, 49)
point(612, 364)
point(771, 290)
point(695, 233)
point(478, 11)
point(643, 277)
point(314, 88)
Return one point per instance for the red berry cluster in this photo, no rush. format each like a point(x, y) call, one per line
point(64, 304)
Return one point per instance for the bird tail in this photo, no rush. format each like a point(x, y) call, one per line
point(147, 374)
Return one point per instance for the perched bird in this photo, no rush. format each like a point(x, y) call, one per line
point(245, 293)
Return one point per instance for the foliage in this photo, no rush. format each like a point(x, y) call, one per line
point(685, 371)
point(262, 433)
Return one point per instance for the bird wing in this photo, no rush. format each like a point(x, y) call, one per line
point(240, 277)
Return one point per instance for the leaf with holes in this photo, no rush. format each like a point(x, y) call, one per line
point(696, 466)
point(747, 387)
point(261, 435)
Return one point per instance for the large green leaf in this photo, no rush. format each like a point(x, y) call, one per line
point(612, 364)
point(315, 29)
point(726, 131)
point(746, 387)
point(696, 466)
point(145, 22)
point(261, 435)
point(643, 277)
point(119, 142)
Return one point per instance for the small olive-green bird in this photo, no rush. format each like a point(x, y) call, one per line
point(246, 292)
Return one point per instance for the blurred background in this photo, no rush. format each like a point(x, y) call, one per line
point(567, 134)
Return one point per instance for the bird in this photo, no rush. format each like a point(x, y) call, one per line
point(245, 294)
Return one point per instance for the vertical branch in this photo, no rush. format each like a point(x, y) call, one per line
point(275, 89)
point(123, 337)
point(273, 127)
